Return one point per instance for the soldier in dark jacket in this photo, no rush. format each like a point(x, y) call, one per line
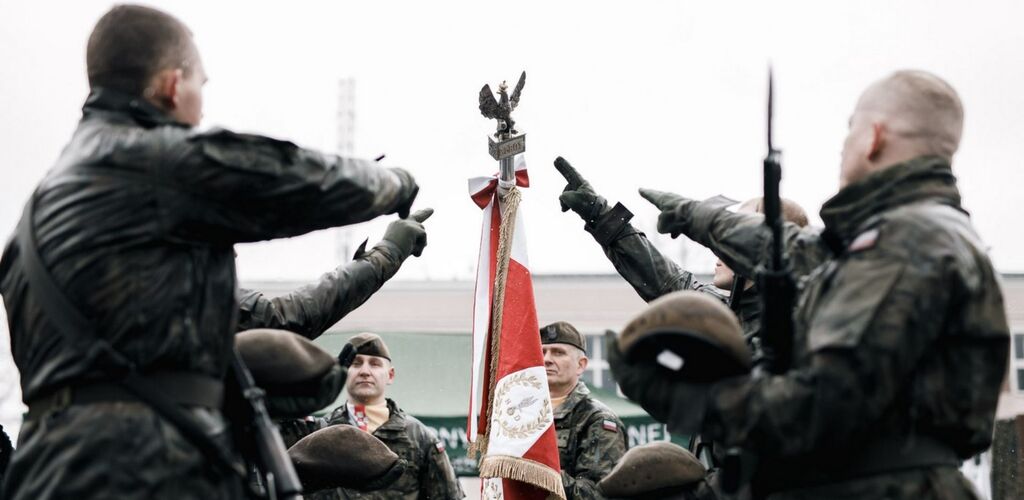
point(136, 224)
point(901, 336)
point(591, 438)
point(312, 309)
point(651, 273)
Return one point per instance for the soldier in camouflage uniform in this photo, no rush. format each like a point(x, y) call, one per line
point(901, 336)
point(428, 474)
point(647, 270)
point(591, 438)
point(136, 224)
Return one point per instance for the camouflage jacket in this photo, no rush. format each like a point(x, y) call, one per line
point(591, 439)
point(312, 309)
point(428, 475)
point(652, 275)
point(137, 223)
point(901, 332)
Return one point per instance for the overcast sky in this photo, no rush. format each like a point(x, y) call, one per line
point(657, 94)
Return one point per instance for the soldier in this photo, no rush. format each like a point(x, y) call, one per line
point(901, 337)
point(428, 473)
point(132, 231)
point(590, 437)
point(647, 270)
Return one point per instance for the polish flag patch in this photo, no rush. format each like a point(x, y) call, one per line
point(610, 426)
point(440, 446)
point(864, 241)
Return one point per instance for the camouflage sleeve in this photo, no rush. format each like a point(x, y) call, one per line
point(883, 311)
point(740, 239)
point(241, 188)
point(294, 429)
point(311, 310)
point(437, 476)
point(601, 447)
point(646, 269)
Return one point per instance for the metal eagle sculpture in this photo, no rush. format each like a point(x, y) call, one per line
point(502, 109)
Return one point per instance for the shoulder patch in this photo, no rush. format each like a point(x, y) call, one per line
point(610, 426)
point(440, 446)
point(864, 241)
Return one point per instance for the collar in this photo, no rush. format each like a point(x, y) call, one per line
point(922, 178)
point(135, 108)
point(579, 393)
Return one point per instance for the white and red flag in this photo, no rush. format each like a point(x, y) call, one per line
point(511, 422)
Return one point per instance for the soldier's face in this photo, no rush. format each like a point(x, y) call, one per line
point(723, 275)
point(564, 364)
point(368, 377)
point(863, 142)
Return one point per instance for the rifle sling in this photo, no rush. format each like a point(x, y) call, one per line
point(78, 329)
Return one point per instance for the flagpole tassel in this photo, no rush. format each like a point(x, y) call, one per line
point(509, 206)
point(524, 470)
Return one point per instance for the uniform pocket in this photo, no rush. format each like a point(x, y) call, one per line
point(849, 306)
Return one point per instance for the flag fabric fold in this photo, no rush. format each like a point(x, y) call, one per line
point(511, 420)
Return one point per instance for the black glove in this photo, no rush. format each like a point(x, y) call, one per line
point(409, 192)
point(408, 234)
point(578, 195)
point(679, 405)
point(668, 221)
point(346, 356)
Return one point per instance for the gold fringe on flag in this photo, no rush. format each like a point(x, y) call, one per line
point(526, 471)
point(510, 200)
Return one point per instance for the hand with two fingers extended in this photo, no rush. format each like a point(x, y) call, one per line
point(408, 233)
point(668, 219)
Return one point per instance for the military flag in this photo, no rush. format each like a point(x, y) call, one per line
point(511, 423)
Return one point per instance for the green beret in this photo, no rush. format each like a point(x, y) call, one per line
point(661, 467)
point(370, 344)
point(561, 332)
point(695, 336)
point(342, 456)
point(278, 357)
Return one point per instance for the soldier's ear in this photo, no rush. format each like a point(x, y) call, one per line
point(391, 375)
point(583, 363)
point(877, 140)
point(163, 89)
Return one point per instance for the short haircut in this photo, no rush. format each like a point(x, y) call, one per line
point(131, 43)
point(791, 210)
point(923, 107)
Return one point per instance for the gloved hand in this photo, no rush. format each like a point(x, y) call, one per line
point(668, 222)
point(679, 405)
point(346, 356)
point(411, 189)
point(578, 195)
point(408, 234)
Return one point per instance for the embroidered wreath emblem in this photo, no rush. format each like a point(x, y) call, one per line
point(522, 415)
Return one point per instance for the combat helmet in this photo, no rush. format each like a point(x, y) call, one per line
point(693, 336)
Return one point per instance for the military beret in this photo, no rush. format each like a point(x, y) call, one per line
point(370, 344)
point(660, 466)
point(342, 456)
point(277, 357)
point(561, 332)
point(695, 336)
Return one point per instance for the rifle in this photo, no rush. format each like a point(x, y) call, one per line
point(775, 280)
point(277, 475)
point(775, 283)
